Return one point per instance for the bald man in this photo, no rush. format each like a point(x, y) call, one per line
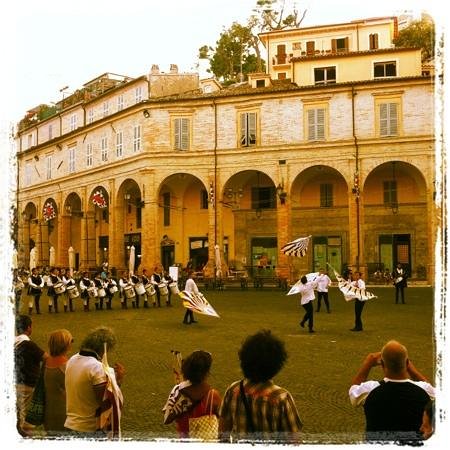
point(393, 406)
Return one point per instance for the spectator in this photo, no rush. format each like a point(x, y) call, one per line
point(271, 413)
point(394, 406)
point(306, 290)
point(59, 344)
point(427, 427)
point(86, 381)
point(28, 357)
point(195, 369)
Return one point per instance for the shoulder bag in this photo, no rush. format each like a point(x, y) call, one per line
point(36, 411)
point(206, 427)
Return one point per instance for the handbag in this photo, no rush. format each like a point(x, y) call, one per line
point(36, 411)
point(206, 427)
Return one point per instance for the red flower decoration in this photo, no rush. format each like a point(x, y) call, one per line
point(49, 211)
point(99, 200)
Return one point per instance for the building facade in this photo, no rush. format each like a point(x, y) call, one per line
point(340, 148)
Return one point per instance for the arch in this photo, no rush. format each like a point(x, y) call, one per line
point(98, 198)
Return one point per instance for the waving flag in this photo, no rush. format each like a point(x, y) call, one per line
point(49, 211)
point(297, 247)
point(109, 419)
point(98, 199)
point(198, 303)
point(309, 276)
point(350, 291)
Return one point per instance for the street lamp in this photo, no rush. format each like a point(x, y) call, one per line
point(282, 194)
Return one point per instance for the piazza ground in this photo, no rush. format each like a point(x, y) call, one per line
point(317, 373)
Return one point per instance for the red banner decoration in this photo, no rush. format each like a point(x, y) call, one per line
point(98, 199)
point(49, 211)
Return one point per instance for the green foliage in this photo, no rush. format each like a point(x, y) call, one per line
point(272, 15)
point(319, 366)
point(420, 34)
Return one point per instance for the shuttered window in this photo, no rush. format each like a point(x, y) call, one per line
point(248, 129)
point(373, 41)
point(388, 119)
point(181, 133)
point(389, 192)
point(326, 195)
point(316, 124)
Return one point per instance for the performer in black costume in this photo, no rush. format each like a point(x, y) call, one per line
point(35, 285)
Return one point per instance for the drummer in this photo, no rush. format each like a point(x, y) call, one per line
point(124, 281)
point(111, 289)
point(134, 280)
point(52, 280)
point(145, 280)
point(85, 283)
point(100, 285)
point(157, 279)
point(35, 285)
point(68, 281)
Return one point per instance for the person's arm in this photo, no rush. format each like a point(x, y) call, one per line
point(413, 373)
point(371, 360)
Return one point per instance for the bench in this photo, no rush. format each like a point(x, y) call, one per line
point(260, 282)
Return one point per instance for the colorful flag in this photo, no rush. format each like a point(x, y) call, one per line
point(351, 291)
point(297, 247)
point(295, 288)
point(198, 303)
point(98, 199)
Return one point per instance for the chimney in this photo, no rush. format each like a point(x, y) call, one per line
point(173, 68)
point(155, 69)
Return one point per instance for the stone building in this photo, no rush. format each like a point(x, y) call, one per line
point(335, 142)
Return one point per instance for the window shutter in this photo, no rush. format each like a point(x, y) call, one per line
point(251, 129)
point(244, 132)
point(320, 135)
point(384, 119)
point(393, 119)
point(177, 131)
point(333, 45)
point(311, 125)
point(310, 48)
point(184, 134)
point(346, 44)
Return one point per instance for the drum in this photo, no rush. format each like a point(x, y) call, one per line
point(72, 291)
point(113, 289)
point(59, 288)
point(150, 290)
point(163, 289)
point(92, 292)
point(139, 288)
point(129, 291)
point(174, 288)
point(102, 292)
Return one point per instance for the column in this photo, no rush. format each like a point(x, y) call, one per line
point(283, 235)
point(43, 247)
point(62, 255)
point(23, 255)
point(356, 232)
point(150, 214)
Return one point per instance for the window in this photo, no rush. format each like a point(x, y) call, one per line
point(316, 124)
point(310, 47)
point(326, 195)
point(166, 206)
point(137, 138)
point(325, 75)
point(30, 140)
point(248, 129)
point(203, 199)
point(260, 83)
point(296, 46)
point(73, 122)
point(281, 75)
point(48, 166)
point(50, 131)
point(373, 41)
point(105, 108)
point(181, 133)
point(120, 103)
point(119, 144)
point(389, 192)
point(263, 197)
point(281, 54)
point(138, 94)
point(339, 45)
point(385, 69)
point(72, 159)
point(91, 115)
point(104, 149)
point(388, 119)
point(28, 173)
point(138, 213)
point(89, 155)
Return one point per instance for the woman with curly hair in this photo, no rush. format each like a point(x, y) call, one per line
point(255, 408)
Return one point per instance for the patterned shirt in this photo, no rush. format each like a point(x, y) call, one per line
point(275, 416)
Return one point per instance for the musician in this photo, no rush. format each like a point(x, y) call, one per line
point(145, 280)
point(124, 281)
point(18, 287)
point(35, 284)
point(168, 279)
point(110, 283)
point(68, 280)
point(156, 279)
point(51, 281)
point(400, 276)
point(99, 284)
point(134, 279)
point(85, 283)
point(190, 287)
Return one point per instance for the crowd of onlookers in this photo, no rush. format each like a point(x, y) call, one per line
point(83, 398)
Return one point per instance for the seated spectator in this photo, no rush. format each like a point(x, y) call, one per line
point(28, 357)
point(201, 397)
point(86, 382)
point(59, 344)
point(393, 406)
point(255, 408)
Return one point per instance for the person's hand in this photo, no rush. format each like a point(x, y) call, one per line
point(373, 359)
point(119, 370)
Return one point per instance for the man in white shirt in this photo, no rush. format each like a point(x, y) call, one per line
point(190, 288)
point(323, 282)
point(359, 303)
point(393, 406)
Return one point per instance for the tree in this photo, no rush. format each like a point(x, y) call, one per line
point(420, 33)
point(272, 15)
